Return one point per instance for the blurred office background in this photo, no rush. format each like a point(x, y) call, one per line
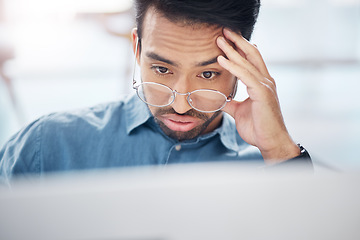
point(58, 55)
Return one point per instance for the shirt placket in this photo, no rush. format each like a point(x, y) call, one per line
point(176, 151)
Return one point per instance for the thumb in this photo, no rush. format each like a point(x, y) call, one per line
point(232, 107)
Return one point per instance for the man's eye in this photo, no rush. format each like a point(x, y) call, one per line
point(208, 74)
point(161, 70)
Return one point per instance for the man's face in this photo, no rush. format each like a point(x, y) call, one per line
point(182, 57)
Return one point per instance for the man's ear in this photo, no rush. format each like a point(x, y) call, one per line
point(135, 41)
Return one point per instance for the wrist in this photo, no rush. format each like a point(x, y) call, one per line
point(281, 153)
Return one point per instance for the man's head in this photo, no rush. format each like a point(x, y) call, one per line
point(238, 15)
point(178, 49)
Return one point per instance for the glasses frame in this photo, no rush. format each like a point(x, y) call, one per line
point(174, 92)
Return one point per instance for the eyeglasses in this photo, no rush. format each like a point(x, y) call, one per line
point(160, 95)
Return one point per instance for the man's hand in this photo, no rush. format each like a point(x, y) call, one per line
point(258, 119)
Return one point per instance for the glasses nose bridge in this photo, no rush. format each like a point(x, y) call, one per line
point(186, 95)
point(182, 94)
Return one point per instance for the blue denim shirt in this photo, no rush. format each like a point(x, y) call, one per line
point(118, 134)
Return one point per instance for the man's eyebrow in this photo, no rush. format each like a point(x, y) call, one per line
point(208, 62)
point(157, 57)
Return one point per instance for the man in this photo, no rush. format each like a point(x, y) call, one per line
point(191, 55)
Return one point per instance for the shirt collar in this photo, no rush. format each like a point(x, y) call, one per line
point(137, 113)
point(228, 133)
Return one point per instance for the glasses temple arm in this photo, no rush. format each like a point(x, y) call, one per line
point(232, 95)
point(135, 61)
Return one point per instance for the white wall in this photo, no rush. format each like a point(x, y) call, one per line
point(309, 31)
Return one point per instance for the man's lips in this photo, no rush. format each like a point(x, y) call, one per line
point(179, 123)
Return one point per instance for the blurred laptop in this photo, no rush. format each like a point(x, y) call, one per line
point(183, 202)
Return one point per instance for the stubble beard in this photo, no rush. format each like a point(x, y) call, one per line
point(179, 135)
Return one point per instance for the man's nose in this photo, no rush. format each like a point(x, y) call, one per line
point(180, 103)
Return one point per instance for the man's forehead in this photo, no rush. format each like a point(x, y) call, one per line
point(155, 21)
point(179, 43)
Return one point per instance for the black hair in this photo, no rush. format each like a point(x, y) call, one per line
point(238, 15)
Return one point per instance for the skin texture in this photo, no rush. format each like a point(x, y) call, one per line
point(181, 56)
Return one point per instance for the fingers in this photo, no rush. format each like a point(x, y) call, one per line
point(251, 52)
point(232, 108)
point(241, 68)
point(245, 63)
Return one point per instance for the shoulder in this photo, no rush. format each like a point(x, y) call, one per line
point(99, 111)
point(94, 117)
point(55, 133)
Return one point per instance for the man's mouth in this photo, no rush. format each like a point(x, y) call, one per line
point(179, 123)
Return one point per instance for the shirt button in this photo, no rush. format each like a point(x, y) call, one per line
point(178, 147)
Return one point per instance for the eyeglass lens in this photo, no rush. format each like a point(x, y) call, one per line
point(160, 95)
point(155, 94)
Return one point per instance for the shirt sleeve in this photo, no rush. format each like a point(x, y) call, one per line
point(21, 154)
